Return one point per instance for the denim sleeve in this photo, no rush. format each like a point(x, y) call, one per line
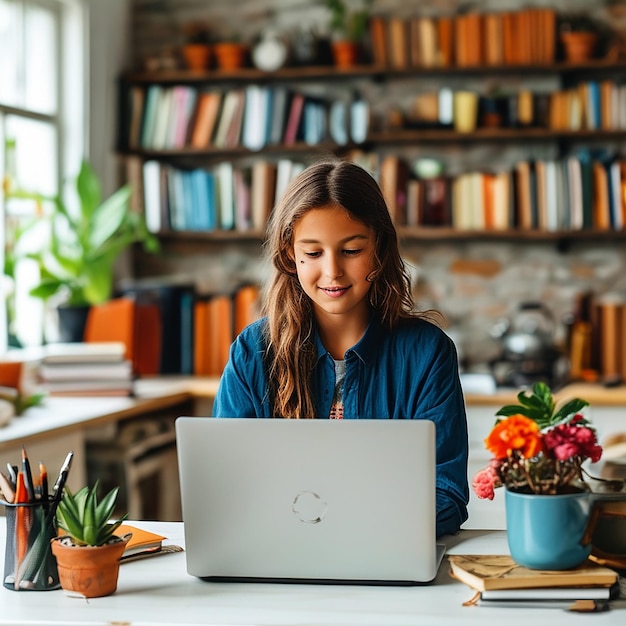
point(442, 402)
point(242, 388)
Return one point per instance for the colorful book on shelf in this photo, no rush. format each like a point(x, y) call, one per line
point(262, 192)
point(257, 117)
point(486, 572)
point(398, 38)
point(227, 115)
point(279, 111)
point(294, 119)
point(163, 120)
point(204, 122)
point(378, 37)
point(136, 103)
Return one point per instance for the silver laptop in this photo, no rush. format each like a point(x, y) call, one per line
point(316, 501)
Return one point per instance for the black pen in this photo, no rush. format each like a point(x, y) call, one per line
point(57, 490)
point(28, 476)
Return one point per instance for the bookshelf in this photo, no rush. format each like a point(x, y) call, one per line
point(591, 130)
point(224, 256)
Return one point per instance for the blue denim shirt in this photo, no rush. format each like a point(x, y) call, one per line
point(408, 373)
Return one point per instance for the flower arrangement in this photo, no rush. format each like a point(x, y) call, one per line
point(538, 447)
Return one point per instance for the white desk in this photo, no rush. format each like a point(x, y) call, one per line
point(158, 590)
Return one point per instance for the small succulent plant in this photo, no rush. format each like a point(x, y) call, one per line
point(85, 519)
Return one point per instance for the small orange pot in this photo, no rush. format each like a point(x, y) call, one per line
point(346, 53)
point(91, 571)
point(231, 55)
point(578, 46)
point(197, 56)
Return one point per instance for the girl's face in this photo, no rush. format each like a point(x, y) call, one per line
point(334, 253)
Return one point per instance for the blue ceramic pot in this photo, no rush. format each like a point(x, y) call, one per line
point(548, 531)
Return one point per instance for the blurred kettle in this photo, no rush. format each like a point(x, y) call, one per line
point(527, 346)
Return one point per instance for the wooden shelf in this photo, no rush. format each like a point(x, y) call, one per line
point(423, 233)
point(394, 137)
point(370, 72)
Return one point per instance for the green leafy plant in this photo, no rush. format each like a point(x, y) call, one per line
point(539, 405)
point(351, 25)
point(85, 519)
point(83, 245)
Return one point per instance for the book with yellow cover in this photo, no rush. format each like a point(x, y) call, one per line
point(485, 572)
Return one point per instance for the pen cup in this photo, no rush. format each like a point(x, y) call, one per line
point(29, 564)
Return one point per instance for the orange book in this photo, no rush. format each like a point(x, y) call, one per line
point(525, 37)
point(489, 217)
point(509, 38)
point(445, 41)
point(601, 208)
point(494, 45)
point(220, 332)
point(549, 35)
point(378, 38)
point(606, 104)
point(609, 338)
point(460, 37)
point(207, 111)
point(141, 540)
point(245, 307)
point(474, 38)
point(522, 195)
point(112, 321)
point(398, 43)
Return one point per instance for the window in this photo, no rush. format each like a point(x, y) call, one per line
point(41, 100)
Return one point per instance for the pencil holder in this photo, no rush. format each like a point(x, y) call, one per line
point(29, 564)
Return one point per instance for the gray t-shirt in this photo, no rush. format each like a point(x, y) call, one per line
point(336, 408)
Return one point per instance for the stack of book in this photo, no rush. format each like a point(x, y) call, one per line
point(498, 581)
point(86, 369)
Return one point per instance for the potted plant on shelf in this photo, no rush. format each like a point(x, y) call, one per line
point(348, 29)
point(197, 50)
point(231, 53)
point(88, 556)
point(578, 35)
point(82, 244)
point(539, 447)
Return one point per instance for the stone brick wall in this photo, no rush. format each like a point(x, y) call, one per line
point(474, 283)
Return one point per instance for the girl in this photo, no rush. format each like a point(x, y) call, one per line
point(339, 337)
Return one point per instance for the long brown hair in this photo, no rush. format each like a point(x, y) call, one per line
point(291, 352)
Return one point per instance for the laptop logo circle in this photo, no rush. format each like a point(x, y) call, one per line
point(309, 508)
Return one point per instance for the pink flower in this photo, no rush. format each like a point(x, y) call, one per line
point(566, 441)
point(485, 481)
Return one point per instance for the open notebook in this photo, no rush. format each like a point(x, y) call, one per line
point(349, 501)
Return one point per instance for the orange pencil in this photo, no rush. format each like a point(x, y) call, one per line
point(22, 529)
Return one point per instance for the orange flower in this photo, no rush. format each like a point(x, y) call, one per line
point(514, 433)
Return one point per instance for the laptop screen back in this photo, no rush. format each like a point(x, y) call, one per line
point(308, 500)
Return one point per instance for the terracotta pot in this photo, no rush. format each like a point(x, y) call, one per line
point(90, 571)
point(578, 46)
point(197, 56)
point(231, 55)
point(346, 53)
